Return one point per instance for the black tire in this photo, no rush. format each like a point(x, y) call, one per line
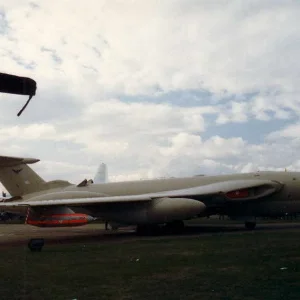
point(147, 230)
point(250, 225)
point(175, 227)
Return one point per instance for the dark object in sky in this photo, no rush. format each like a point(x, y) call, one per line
point(17, 85)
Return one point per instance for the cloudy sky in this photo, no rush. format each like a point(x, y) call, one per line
point(153, 88)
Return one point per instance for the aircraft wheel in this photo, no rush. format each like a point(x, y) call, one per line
point(175, 227)
point(250, 225)
point(140, 229)
point(147, 230)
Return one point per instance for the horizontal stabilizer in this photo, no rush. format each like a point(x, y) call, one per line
point(10, 161)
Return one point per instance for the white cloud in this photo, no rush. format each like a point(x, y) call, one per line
point(291, 131)
point(30, 132)
point(132, 47)
point(233, 112)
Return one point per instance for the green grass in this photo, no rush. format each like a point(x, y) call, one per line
point(220, 266)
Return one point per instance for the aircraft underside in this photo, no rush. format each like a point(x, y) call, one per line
point(151, 216)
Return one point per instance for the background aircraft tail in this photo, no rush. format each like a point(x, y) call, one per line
point(101, 175)
point(17, 177)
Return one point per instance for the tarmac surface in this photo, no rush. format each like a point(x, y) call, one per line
point(20, 234)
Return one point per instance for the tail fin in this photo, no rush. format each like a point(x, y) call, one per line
point(17, 177)
point(101, 175)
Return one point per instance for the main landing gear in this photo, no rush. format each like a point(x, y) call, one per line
point(250, 225)
point(147, 229)
point(174, 227)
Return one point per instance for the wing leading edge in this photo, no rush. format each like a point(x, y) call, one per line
point(233, 190)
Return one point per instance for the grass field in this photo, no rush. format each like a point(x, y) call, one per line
point(257, 265)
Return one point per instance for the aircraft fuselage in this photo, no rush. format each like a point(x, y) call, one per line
point(285, 200)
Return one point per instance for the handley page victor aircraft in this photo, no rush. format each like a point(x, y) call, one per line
point(146, 203)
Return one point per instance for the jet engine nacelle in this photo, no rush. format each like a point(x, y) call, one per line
point(165, 210)
point(60, 217)
point(157, 211)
